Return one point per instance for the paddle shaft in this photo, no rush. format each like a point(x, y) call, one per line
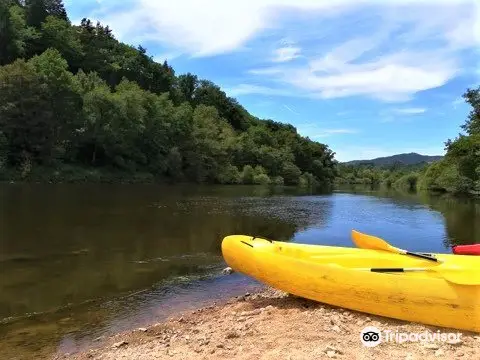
point(422, 256)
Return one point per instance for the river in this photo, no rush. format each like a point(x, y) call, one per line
point(81, 262)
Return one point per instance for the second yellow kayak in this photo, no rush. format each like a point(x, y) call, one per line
point(330, 275)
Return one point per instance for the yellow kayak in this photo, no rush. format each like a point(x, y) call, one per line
point(336, 276)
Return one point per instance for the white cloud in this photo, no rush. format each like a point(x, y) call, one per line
point(160, 58)
point(387, 50)
point(316, 131)
point(389, 82)
point(204, 28)
point(327, 132)
point(286, 53)
point(212, 27)
point(248, 89)
point(409, 111)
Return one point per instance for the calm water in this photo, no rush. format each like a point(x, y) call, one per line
point(81, 262)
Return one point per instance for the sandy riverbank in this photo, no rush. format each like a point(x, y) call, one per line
point(273, 325)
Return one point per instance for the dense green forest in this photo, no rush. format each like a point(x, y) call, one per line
point(78, 105)
point(457, 172)
point(396, 175)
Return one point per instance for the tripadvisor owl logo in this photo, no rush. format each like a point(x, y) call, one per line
point(370, 336)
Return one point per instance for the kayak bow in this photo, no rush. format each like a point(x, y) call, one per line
point(473, 249)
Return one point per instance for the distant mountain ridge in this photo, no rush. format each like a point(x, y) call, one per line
point(406, 159)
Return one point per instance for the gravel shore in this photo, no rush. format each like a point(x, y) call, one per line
point(274, 325)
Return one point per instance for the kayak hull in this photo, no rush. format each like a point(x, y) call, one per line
point(473, 249)
point(323, 273)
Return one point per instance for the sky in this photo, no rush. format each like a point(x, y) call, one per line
point(368, 78)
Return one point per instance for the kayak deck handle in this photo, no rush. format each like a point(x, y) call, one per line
point(261, 237)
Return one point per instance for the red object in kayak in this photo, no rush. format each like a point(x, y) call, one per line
point(466, 249)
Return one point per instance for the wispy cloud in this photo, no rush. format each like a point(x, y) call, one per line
point(286, 53)
point(316, 131)
point(403, 114)
point(409, 111)
point(398, 48)
point(290, 109)
point(248, 89)
point(160, 58)
point(338, 131)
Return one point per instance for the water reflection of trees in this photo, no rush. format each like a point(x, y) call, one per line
point(64, 245)
point(462, 217)
point(461, 214)
point(73, 243)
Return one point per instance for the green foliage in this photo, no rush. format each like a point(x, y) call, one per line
point(38, 10)
point(261, 179)
point(464, 152)
point(230, 175)
point(291, 174)
point(57, 33)
point(451, 180)
point(397, 175)
point(15, 35)
point(260, 176)
point(278, 180)
point(472, 125)
point(307, 180)
point(26, 118)
point(174, 164)
point(459, 172)
point(74, 96)
point(248, 174)
point(407, 182)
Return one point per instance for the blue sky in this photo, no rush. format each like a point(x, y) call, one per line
point(368, 78)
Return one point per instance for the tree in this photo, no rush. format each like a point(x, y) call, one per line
point(472, 125)
point(291, 174)
point(63, 98)
point(8, 48)
point(57, 9)
point(38, 10)
point(174, 164)
point(25, 114)
point(15, 35)
point(57, 33)
point(95, 134)
point(248, 174)
point(187, 85)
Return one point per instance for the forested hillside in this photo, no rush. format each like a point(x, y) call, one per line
point(76, 104)
point(405, 159)
point(457, 172)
